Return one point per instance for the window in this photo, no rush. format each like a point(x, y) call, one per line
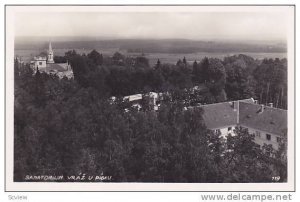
point(218, 131)
point(40, 63)
point(229, 128)
point(257, 133)
point(268, 137)
point(257, 146)
point(278, 139)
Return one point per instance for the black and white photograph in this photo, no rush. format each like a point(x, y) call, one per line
point(142, 98)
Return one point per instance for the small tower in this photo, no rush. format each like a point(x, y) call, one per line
point(50, 54)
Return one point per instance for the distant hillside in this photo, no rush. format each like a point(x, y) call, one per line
point(154, 46)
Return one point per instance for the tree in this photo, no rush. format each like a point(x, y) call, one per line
point(239, 85)
point(157, 64)
point(60, 59)
point(179, 62)
point(197, 73)
point(204, 69)
point(118, 58)
point(184, 61)
point(214, 77)
point(96, 57)
point(67, 126)
point(39, 89)
point(271, 82)
point(80, 69)
point(70, 54)
point(141, 62)
point(244, 161)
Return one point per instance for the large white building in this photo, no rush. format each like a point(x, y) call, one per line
point(47, 64)
point(267, 123)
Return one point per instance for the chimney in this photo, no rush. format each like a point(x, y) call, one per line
point(262, 107)
point(238, 111)
point(271, 104)
point(235, 105)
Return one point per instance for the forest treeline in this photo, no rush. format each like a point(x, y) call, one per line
point(69, 126)
point(233, 78)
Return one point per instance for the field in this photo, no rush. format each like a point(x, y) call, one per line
point(28, 54)
point(167, 50)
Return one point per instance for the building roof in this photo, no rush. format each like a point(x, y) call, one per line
point(219, 115)
point(39, 58)
point(270, 119)
point(135, 97)
point(57, 67)
point(225, 114)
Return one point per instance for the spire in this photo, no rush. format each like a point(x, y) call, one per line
point(50, 54)
point(50, 47)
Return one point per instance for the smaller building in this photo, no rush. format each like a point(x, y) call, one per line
point(39, 62)
point(134, 100)
point(153, 100)
point(137, 100)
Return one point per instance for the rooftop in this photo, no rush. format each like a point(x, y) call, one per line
point(221, 114)
point(57, 67)
point(268, 119)
point(135, 97)
point(225, 114)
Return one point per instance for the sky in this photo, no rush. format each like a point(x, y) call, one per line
point(154, 25)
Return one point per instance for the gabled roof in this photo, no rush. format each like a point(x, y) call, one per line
point(272, 120)
point(59, 67)
point(221, 115)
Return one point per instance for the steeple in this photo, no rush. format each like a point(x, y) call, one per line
point(50, 54)
point(50, 47)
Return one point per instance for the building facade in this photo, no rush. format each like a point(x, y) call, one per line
point(39, 62)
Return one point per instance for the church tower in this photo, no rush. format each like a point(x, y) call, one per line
point(50, 54)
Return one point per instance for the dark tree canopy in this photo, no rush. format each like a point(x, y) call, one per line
point(96, 57)
point(70, 126)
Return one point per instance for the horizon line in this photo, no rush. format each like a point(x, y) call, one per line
point(145, 38)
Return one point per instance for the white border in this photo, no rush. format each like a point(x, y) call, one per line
point(46, 186)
